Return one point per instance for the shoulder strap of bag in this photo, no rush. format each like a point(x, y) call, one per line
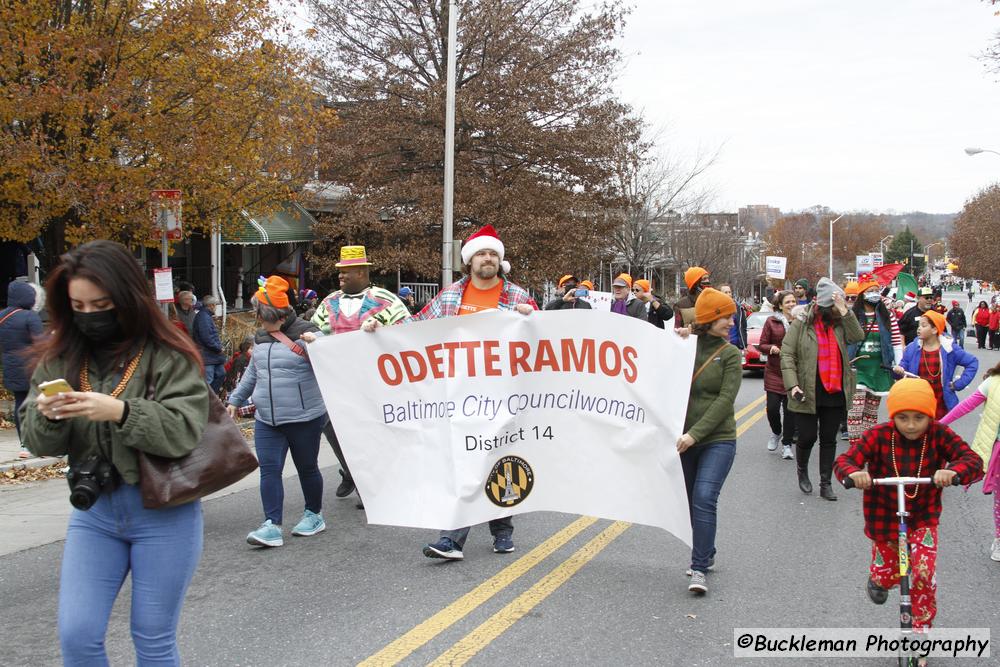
point(708, 361)
point(287, 342)
point(5, 317)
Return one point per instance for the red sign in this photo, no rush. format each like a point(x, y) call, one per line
point(165, 207)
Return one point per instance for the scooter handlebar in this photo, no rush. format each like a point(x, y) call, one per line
point(893, 481)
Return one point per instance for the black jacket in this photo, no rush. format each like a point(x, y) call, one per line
point(558, 304)
point(660, 315)
point(908, 324)
point(956, 319)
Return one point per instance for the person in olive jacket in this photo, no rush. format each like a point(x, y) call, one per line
point(819, 379)
point(112, 344)
point(708, 446)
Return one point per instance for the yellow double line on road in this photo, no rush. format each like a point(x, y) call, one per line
point(467, 647)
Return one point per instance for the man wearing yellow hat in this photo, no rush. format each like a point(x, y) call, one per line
point(356, 302)
point(697, 279)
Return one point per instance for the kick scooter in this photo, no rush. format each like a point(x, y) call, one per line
point(905, 607)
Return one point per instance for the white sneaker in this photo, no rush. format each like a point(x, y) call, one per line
point(698, 583)
point(786, 452)
point(995, 550)
point(773, 443)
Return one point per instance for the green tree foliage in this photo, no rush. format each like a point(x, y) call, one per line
point(899, 251)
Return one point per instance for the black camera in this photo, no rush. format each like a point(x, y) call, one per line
point(88, 480)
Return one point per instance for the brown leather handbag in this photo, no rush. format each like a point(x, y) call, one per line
point(222, 457)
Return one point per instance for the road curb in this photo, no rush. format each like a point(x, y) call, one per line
point(27, 464)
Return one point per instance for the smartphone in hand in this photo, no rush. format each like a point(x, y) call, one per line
point(54, 387)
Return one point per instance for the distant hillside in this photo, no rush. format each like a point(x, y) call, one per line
point(927, 226)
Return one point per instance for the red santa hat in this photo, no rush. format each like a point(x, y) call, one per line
point(910, 297)
point(484, 239)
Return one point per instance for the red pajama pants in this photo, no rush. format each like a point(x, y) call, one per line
point(923, 560)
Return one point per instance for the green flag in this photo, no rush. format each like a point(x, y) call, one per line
point(905, 283)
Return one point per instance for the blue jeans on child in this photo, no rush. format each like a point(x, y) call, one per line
point(705, 470)
point(161, 549)
point(273, 443)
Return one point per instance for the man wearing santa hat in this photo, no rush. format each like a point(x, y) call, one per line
point(483, 287)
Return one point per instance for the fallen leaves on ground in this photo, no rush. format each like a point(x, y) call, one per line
point(21, 475)
point(5, 425)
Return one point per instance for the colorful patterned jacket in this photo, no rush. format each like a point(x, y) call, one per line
point(448, 300)
point(378, 302)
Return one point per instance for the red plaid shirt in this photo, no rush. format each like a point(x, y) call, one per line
point(944, 450)
point(929, 368)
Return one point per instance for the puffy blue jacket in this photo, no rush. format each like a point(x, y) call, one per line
point(17, 333)
point(281, 382)
point(951, 356)
point(206, 337)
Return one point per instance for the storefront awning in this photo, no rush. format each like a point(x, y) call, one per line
point(288, 224)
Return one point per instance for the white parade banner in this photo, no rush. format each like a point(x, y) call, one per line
point(775, 266)
point(452, 422)
point(599, 300)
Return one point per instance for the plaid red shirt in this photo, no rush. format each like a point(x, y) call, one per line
point(944, 450)
point(929, 368)
point(448, 300)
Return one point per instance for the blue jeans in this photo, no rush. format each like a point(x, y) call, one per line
point(959, 336)
point(705, 470)
point(273, 443)
point(215, 375)
point(116, 536)
point(504, 526)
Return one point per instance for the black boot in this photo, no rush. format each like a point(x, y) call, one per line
point(826, 456)
point(346, 486)
point(802, 467)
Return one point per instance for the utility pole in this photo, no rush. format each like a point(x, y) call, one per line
point(449, 150)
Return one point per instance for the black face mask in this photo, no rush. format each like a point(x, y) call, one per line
point(98, 326)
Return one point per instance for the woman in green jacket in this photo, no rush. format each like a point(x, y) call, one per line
point(708, 446)
point(111, 344)
point(817, 373)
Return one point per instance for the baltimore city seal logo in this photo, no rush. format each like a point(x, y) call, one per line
point(510, 481)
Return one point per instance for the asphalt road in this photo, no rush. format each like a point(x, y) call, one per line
point(576, 591)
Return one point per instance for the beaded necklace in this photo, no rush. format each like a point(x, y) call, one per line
point(129, 372)
point(920, 464)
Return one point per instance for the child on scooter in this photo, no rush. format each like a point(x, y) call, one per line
point(912, 444)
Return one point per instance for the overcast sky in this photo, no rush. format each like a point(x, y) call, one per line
point(853, 104)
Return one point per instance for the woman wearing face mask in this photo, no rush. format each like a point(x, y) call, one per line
point(817, 375)
point(111, 343)
point(877, 357)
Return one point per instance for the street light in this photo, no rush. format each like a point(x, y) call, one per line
point(976, 151)
point(831, 244)
point(927, 254)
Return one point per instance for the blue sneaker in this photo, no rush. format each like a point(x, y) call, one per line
point(444, 548)
point(503, 544)
point(268, 535)
point(310, 524)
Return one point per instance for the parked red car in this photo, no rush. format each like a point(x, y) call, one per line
point(752, 361)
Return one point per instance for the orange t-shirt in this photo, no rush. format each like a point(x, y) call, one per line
point(475, 299)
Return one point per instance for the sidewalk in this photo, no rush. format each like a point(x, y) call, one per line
point(33, 514)
point(10, 447)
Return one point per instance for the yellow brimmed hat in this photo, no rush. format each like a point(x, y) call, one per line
point(353, 255)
